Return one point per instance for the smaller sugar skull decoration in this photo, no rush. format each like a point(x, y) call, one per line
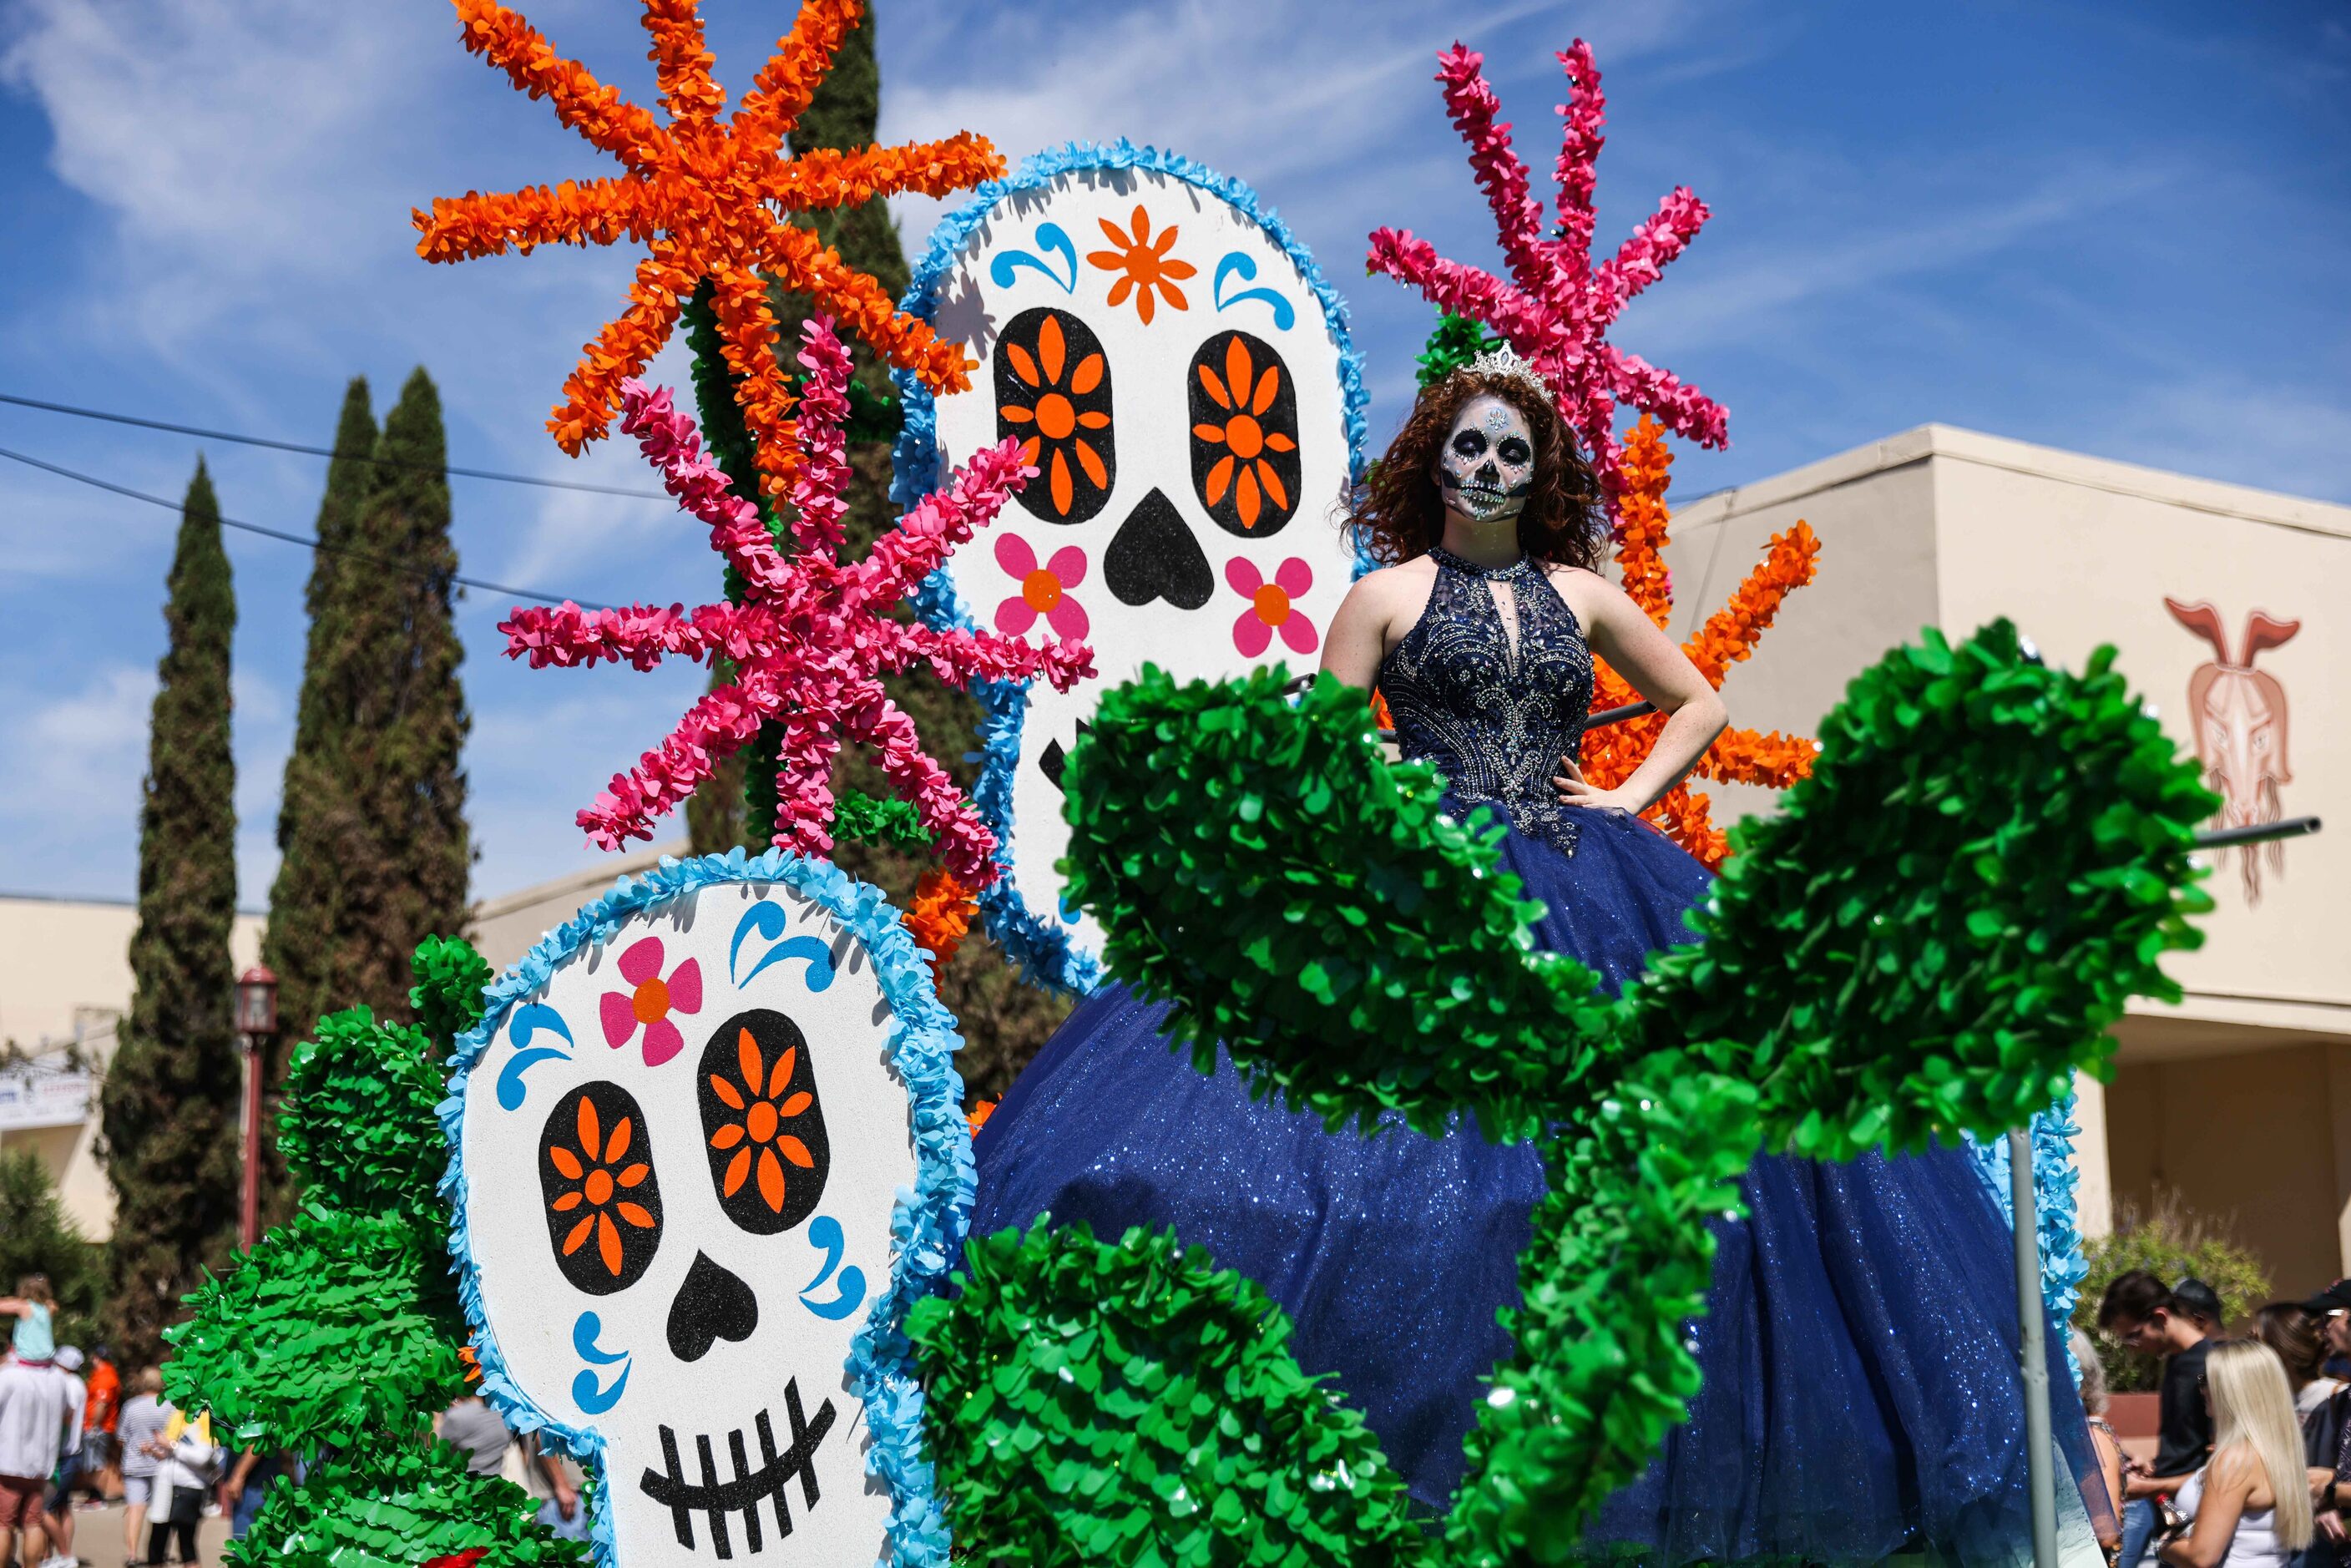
point(1172, 361)
point(1487, 466)
point(707, 1148)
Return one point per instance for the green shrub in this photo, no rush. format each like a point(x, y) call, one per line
point(2171, 1241)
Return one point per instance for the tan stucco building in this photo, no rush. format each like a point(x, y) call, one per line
point(2240, 1097)
point(65, 984)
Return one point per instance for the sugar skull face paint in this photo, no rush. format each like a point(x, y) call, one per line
point(1488, 467)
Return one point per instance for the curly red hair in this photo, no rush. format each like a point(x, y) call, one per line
point(1398, 514)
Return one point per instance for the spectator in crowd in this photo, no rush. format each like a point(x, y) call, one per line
point(2103, 1441)
point(245, 1492)
point(187, 1465)
point(2330, 1465)
point(479, 1430)
point(2250, 1506)
point(97, 1422)
point(73, 1477)
point(2298, 1336)
point(40, 1420)
point(2138, 1312)
point(563, 1510)
point(2200, 1301)
point(141, 1435)
point(33, 1306)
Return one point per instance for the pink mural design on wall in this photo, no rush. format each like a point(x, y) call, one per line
point(2239, 715)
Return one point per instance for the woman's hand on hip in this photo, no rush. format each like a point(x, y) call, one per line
point(1574, 789)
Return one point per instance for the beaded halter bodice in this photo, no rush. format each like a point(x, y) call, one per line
point(1493, 717)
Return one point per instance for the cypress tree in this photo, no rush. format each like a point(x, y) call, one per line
point(169, 1107)
point(309, 944)
point(1003, 1021)
point(410, 853)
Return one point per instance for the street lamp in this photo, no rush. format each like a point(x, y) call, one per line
point(257, 1021)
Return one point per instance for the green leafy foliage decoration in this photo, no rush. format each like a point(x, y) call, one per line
point(1129, 1402)
point(339, 1334)
point(406, 1508)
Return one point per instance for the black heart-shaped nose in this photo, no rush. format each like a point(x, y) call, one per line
point(1154, 556)
point(711, 1306)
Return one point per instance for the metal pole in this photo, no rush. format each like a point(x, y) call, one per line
point(2032, 1316)
point(248, 1221)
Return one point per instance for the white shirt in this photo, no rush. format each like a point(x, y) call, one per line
point(40, 1418)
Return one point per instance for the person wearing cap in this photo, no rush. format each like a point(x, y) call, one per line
point(2138, 1311)
point(72, 1474)
point(41, 1419)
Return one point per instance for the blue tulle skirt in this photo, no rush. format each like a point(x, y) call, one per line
point(1859, 1349)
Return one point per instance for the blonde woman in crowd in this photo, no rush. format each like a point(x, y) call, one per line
point(2250, 1507)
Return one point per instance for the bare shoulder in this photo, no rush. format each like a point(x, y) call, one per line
point(2236, 1468)
point(1586, 592)
point(1392, 590)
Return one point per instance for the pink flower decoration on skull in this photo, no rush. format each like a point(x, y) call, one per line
point(1557, 306)
point(1271, 608)
point(1044, 589)
point(651, 1001)
point(812, 636)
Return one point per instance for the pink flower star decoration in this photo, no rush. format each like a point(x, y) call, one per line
point(651, 1001)
point(1270, 610)
point(1044, 589)
point(1558, 306)
point(812, 637)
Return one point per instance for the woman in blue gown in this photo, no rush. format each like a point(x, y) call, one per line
point(1859, 1350)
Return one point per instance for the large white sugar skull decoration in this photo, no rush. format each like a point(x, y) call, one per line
point(1181, 376)
point(707, 1146)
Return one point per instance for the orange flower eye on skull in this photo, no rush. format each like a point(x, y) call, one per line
point(1245, 460)
point(1052, 396)
point(602, 1200)
point(762, 1125)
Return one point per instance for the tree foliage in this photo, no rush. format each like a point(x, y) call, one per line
point(409, 723)
point(320, 829)
point(169, 1107)
point(37, 1236)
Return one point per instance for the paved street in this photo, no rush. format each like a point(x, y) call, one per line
point(97, 1538)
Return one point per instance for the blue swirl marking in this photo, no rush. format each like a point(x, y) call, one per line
point(1284, 316)
point(528, 1022)
point(586, 1392)
point(848, 1290)
point(768, 919)
point(824, 1231)
point(1009, 263)
point(850, 1295)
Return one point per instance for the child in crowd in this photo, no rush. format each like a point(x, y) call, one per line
point(34, 1307)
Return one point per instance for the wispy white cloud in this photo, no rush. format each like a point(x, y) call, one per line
point(78, 756)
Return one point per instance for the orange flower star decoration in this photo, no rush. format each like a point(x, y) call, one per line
point(1737, 755)
point(1245, 440)
point(708, 200)
point(601, 1186)
point(1144, 263)
point(765, 1111)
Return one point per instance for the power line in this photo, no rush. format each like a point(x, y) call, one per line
point(368, 557)
point(328, 451)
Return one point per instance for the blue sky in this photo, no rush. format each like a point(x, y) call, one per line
point(2119, 228)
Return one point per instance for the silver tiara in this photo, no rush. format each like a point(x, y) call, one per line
point(1506, 361)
